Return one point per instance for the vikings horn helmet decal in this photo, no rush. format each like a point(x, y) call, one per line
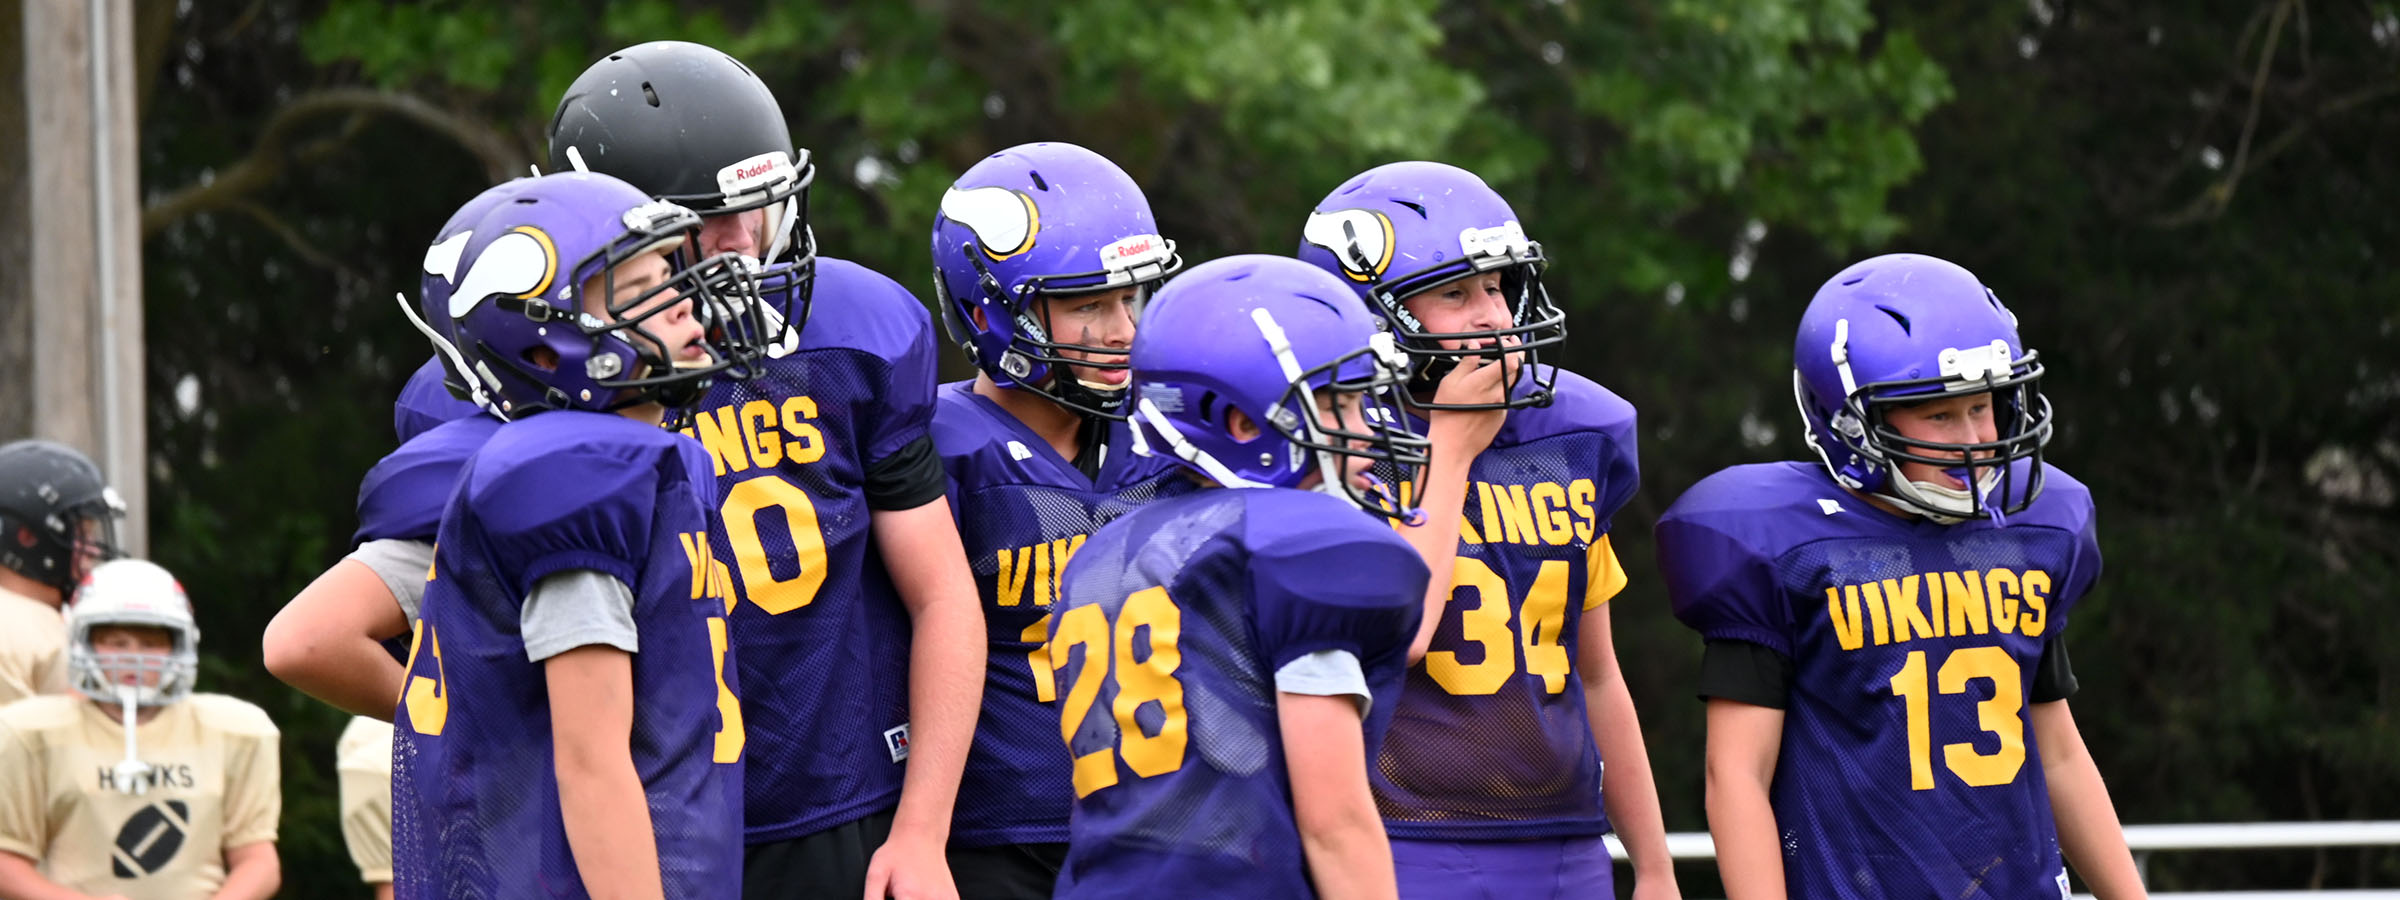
point(1004, 221)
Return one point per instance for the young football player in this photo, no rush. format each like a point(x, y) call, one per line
point(1038, 457)
point(1225, 660)
point(58, 518)
point(334, 640)
point(1885, 672)
point(1515, 746)
point(590, 742)
point(134, 786)
point(853, 597)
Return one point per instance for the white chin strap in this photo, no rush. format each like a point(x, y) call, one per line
point(1329, 471)
point(780, 218)
point(1182, 447)
point(458, 360)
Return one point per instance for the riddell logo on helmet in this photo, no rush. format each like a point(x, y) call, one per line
point(1132, 251)
point(749, 174)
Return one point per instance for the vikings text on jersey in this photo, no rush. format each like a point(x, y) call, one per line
point(474, 786)
point(1905, 770)
point(1023, 512)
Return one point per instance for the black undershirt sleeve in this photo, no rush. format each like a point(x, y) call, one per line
point(909, 478)
point(1746, 672)
point(2053, 677)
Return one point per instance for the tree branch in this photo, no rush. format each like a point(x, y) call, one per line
point(299, 243)
point(2213, 199)
point(274, 152)
point(2258, 99)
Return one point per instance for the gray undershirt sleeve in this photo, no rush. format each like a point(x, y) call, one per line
point(1327, 673)
point(401, 565)
point(577, 608)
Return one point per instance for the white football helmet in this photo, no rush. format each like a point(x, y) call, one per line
point(139, 593)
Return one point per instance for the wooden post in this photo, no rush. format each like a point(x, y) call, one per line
point(70, 239)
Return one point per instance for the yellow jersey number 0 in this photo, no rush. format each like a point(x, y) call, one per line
point(759, 584)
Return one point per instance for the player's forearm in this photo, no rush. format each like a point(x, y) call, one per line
point(19, 880)
point(252, 872)
point(1443, 501)
point(1341, 834)
point(1626, 784)
point(946, 654)
point(352, 674)
point(945, 692)
point(2088, 831)
point(1350, 859)
point(325, 641)
point(1741, 820)
point(599, 791)
point(607, 821)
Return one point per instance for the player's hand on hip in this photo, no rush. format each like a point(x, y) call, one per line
point(906, 869)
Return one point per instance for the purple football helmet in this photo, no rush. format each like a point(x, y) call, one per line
point(1036, 220)
point(1404, 227)
point(1905, 328)
point(519, 286)
point(1267, 335)
point(431, 312)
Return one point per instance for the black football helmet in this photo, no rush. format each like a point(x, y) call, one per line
point(48, 491)
point(692, 126)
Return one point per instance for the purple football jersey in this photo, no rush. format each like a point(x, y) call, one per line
point(1165, 644)
point(425, 403)
point(1022, 513)
point(1905, 769)
point(818, 622)
point(402, 496)
point(474, 787)
point(1491, 741)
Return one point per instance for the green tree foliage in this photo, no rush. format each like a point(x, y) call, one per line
point(2221, 332)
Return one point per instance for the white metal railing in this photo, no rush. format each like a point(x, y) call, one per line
point(2147, 839)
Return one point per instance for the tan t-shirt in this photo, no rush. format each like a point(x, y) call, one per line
point(33, 648)
point(216, 784)
point(364, 758)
